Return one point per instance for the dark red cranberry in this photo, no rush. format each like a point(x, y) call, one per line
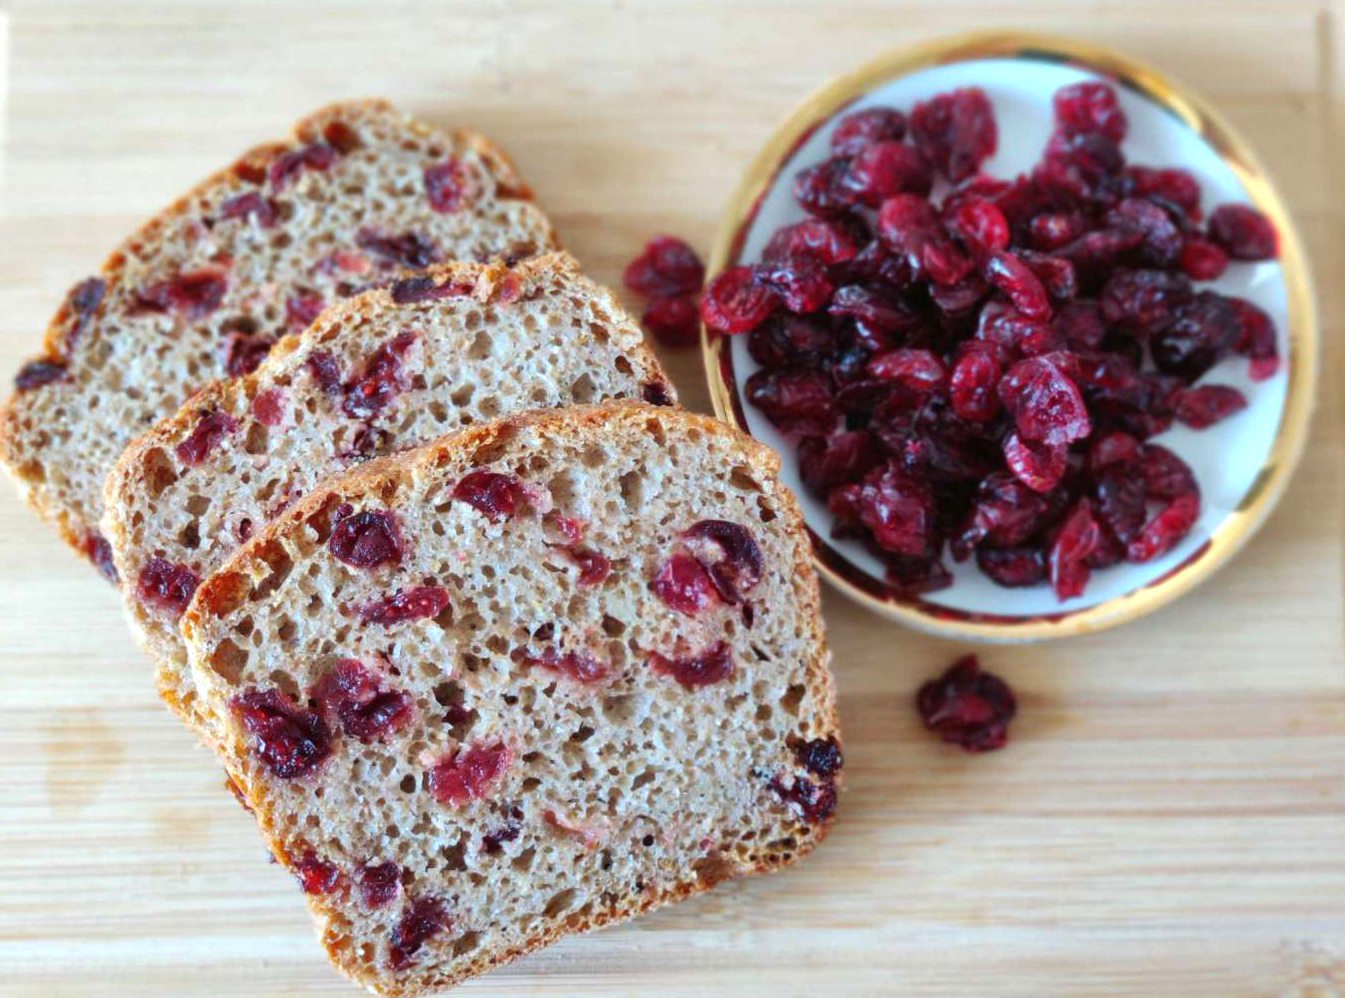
point(579, 666)
point(325, 369)
point(1202, 260)
point(1005, 513)
point(447, 186)
point(655, 393)
point(1165, 475)
point(464, 774)
point(877, 310)
point(786, 339)
point(820, 756)
point(1017, 281)
point(885, 168)
point(193, 294)
point(973, 385)
point(956, 131)
point(818, 189)
point(166, 585)
point(410, 249)
point(379, 884)
point(825, 240)
point(824, 463)
point(212, 426)
point(1145, 301)
point(1206, 405)
point(37, 373)
point(684, 585)
point(816, 801)
point(291, 741)
point(1243, 232)
point(1175, 186)
point(1160, 238)
point(1090, 107)
point(1202, 331)
point(301, 309)
point(1053, 229)
point(794, 398)
point(674, 322)
point(968, 707)
point(801, 283)
point(495, 495)
point(1013, 567)
point(860, 129)
point(1079, 324)
point(1119, 501)
point(269, 407)
point(492, 842)
point(99, 551)
point(897, 508)
point(243, 354)
point(730, 555)
point(735, 303)
point(981, 225)
point(421, 921)
point(692, 671)
point(593, 566)
point(918, 371)
point(288, 165)
point(667, 267)
point(367, 539)
point(365, 709)
point(1046, 405)
point(253, 204)
point(423, 287)
point(1114, 448)
point(1038, 466)
point(1173, 522)
point(316, 875)
point(379, 379)
point(86, 295)
point(406, 604)
point(1068, 559)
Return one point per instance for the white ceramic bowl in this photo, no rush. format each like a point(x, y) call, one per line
point(1241, 463)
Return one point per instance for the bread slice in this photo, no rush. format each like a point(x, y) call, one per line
point(459, 344)
point(358, 193)
point(451, 686)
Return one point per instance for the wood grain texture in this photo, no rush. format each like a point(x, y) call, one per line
point(1170, 817)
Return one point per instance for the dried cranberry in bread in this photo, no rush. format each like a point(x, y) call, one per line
point(381, 372)
point(474, 709)
point(202, 290)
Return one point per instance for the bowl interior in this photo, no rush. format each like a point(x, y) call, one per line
point(1227, 457)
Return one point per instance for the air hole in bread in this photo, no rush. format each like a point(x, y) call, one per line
point(228, 661)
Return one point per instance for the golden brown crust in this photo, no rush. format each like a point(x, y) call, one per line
point(11, 453)
point(225, 590)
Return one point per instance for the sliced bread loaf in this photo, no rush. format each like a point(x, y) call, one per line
point(378, 373)
point(535, 677)
point(202, 290)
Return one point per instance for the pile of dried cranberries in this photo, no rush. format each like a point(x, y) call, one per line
point(983, 371)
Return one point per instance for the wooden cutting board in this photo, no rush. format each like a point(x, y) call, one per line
point(1169, 818)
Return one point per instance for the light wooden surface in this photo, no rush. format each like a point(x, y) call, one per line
point(1170, 816)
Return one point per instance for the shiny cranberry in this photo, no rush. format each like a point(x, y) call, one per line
point(980, 224)
point(579, 666)
point(1079, 324)
point(1173, 522)
point(692, 671)
point(194, 294)
point(1090, 107)
point(1012, 567)
point(1202, 260)
point(1243, 232)
point(1202, 332)
point(968, 707)
point(288, 165)
point(730, 555)
point(683, 584)
point(1038, 466)
point(826, 241)
point(464, 774)
point(496, 496)
point(897, 508)
point(1160, 238)
point(37, 373)
point(786, 339)
point(421, 921)
point(252, 204)
point(1165, 475)
point(99, 551)
point(801, 282)
point(1206, 405)
point(956, 131)
point(734, 302)
point(1145, 301)
point(367, 539)
point(674, 322)
point(166, 585)
point(817, 188)
point(365, 709)
point(816, 801)
point(410, 249)
point(1046, 405)
point(1175, 186)
point(379, 378)
point(907, 223)
point(406, 604)
point(918, 371)
point(1114, 448)
point(379, 884)
point(447, 186)
point(1051, 230)
point(875, 308)
point(316, 875)
point(1068, 558)
point(860, 129)
point(1016, 280)
point(820, 756)
point(1004, 513)
point(325, 369)
point(844, 457)
point(1055, 273)
point(885, 168)
point(793, 398)
point(243, 354)
point(291, 741)
point(667, 267)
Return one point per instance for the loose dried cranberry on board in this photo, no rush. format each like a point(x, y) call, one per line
point(674, 322)
point(667, 267)
point(968, 707)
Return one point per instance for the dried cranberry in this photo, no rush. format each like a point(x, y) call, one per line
point(167, 585)
point(421, 921)
point(1015, 279)
point(1118, 497)
point(1202, 331)
point(897, 508)
point(464, 774)
point(424, 287)
point(691, 671)
point(817, 188)
point(252, 203)
point(785, 339)
point(325, 370)
point(918, 371)
point(844, 457)
point(579, 666)
point(410, 249)
point(288, 165)
point(1013, 567)
point(379, 884)
point(793, 398)
point(874, 308)
point(655, 393)
point(301, 309)
point(1005, 513)
point(37, 373)
point(1173, 522)
point(1068, 558)
point(735, 303)
point(193, 294)
point(885, 168)
point(268, 407)
point(1175, 186)
point(99, 551)
point(291, 741)
point(1079, 324)
point(367, 539)
point(493, 841)
point(684, 585)
point(730, 555)
point(1206, 405)
point(1243, 232)
point(447, 186)
point(594, 567)
point(1038, 466)
point(365, 709)
point(820, 756)
point(816, 801)
point(494, 494)
point(243, 354)
point(667, 267)
point(826, 241)
point(1051, 230)
point(801, 283)
point(1045, 403)
point(316, 875)
point(406, 604)
point(379, 378)
point(1114, 448)
point(1202, 260)
point(674, 322)
point(1090, 107)
point(1165, 475)
point(212, 426)
point(1160, 239)
point(981, 225)
point(860, 129)
point(968, 707)
point(1145, 301)
point(956, 131)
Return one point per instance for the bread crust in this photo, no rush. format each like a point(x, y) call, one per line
point(74, 528)
point(248, 565)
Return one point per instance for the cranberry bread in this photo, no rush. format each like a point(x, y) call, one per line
point(532, 678)
point(200, 291)
point(381, 372)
